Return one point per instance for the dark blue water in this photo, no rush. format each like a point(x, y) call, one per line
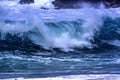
point(43, 43)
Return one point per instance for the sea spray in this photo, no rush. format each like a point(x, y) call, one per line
point(49, 29)
point(42, 35)
point(87, 30)
point(62, 34)
point(44, 3)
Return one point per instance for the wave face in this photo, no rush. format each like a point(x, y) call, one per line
point(57, 42)
point(76, 30)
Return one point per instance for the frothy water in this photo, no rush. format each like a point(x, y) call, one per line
point(75, 31)
point(36, 4)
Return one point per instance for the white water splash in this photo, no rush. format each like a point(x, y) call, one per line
point(44, 3)
point(37, 3)
point(92, 20)
point(77, 77)
point(92, 23)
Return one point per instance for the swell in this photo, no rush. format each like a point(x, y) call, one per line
point(109, 31)
point(64, 34)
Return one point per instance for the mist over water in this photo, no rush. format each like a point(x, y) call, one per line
point(58, 42)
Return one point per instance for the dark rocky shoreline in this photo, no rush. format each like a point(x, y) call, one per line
point(78, 3)
point(26, 1)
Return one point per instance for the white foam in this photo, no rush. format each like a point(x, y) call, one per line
point(76, 77)
point(8, 3)
point(44, 3)
point(115, 43)
point(92, 23)
point(37, 4)
point(92, 20)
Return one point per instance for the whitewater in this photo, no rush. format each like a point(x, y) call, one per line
point(37, 40)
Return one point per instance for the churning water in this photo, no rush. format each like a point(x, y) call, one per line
point(48, 42)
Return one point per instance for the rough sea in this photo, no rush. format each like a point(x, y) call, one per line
point(38, 41)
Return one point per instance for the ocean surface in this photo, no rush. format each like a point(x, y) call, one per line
point(37, 40)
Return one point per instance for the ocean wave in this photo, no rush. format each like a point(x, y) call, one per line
point(63, 29)
point(64, 34)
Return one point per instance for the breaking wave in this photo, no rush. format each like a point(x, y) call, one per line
point(26, 26)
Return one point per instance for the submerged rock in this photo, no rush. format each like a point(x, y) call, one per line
point(65, 3)
point(26, 1)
